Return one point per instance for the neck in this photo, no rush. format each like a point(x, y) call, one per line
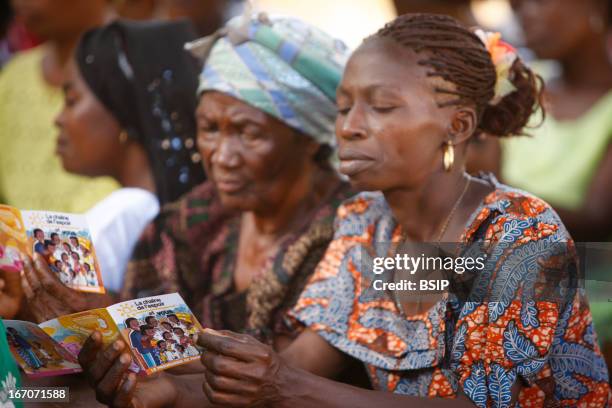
point(422, 211)
point(303, 195)
point(135, 169)
point(597, 73)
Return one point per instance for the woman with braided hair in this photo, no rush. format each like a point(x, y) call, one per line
point(411, 98)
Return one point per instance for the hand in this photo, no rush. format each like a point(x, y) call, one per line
point(47, 296)
point(10, 294)
point(240, 371)
point(116, 386)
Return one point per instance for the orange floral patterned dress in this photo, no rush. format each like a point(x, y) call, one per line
point(511, 328)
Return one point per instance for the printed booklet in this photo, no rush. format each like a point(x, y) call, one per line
point(160, 332)
point(63, 240)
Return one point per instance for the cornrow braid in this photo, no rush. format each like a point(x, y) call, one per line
point(457, 56)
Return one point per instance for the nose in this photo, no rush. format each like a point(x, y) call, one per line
point(59, 119)
point(352, 125)
point(227, 153)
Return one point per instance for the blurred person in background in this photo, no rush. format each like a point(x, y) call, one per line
point(459, 9)
point(568, 159)
point(206, 15)
point(130, 97)
point(137, 9)
point(31, 177)
point(13, 35)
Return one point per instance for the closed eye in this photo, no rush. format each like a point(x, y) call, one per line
point(384, 109)
point(209, 127)
point(344, 111)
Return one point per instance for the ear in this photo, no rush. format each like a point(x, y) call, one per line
point(463, 125)
point(311, 146)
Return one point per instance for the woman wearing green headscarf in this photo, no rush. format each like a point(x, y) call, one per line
point(240, 247)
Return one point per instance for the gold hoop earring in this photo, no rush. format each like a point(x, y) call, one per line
point(123, 137)
point(449, 156)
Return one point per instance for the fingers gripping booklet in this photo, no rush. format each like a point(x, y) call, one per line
point(160, 332)
point(63, 240)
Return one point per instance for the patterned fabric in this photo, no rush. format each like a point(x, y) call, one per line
point(282, 66)
point(192, 248)
point(517, 333)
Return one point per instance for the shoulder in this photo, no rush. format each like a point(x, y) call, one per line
point(23, 64)
point(195, 216)
point(127, 207)
point(512, 211)
point(23, 60)
point(326, 212)
point(192, 208)
point(363, 214)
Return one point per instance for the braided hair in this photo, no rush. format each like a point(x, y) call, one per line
point(464, 73)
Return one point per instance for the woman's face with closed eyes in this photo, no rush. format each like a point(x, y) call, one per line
point(389, 128)
point(252, 158)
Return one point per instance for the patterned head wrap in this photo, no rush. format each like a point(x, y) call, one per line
point(281, 66)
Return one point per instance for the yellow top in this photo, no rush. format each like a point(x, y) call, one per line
point(31, 176)
point(558, 162)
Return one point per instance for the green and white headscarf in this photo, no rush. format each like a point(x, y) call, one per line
point(283, 66)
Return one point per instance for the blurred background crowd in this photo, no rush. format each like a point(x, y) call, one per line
point(565, 159)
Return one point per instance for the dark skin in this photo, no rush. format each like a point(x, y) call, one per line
point(88, 144)
point(390, 133)
point(460, 9)
point(245, 154)
point(60, 23)
point(575, 34)
point(137, 9)
point(261, 168)
point(206, 15)
point(11, 294)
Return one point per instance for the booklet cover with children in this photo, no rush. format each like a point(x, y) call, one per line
point(63, 240)
point(159, 331)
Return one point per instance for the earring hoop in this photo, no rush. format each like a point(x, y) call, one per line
point(449, 156)
point(123, 137)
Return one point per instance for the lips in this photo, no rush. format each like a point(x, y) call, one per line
point(229, 186)
point(61, 145)
point(353, 162)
